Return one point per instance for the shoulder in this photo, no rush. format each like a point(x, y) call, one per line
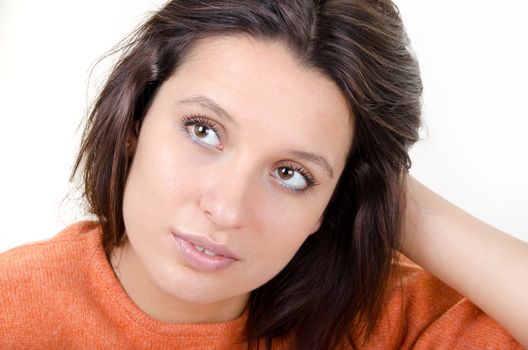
point(418, 292)
point(422, 312)
point(36, 276)
point(59, 251)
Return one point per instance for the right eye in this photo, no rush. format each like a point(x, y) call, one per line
point(202, 131)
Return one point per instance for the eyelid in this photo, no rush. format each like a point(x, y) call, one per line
point(198, 119)
point(311, 182)
point(206, 121)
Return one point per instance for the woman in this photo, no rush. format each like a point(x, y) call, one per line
point(247, 163)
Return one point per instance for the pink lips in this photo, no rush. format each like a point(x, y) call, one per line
point(200, 260)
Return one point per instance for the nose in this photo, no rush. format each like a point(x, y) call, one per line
point(226, 199)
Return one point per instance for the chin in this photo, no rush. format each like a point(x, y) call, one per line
point(192, 288)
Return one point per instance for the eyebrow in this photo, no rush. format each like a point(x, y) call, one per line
point(211, 105)
point(317, 159)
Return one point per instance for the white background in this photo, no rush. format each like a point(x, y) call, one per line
point(474, 61)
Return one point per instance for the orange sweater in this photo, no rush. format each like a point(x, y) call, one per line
point(63, 294)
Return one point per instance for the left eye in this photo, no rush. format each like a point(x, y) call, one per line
point(291, 178)
point(204, 134)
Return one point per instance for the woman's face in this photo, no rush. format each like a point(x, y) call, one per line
point(241, 147)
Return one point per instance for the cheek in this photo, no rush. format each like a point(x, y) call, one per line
point(156, 177)
point(284, 228)
point(165, 168)
point(275, 246)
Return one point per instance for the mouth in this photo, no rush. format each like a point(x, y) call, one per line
point(202, 254)
point(205, 245)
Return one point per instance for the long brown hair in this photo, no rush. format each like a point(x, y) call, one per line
point(333, 288)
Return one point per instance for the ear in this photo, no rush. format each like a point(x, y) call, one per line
point(131, 145)
point(317, 225)
point(132, 140)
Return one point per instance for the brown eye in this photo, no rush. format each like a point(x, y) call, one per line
point(201, 131)
point(292, 177)
point(286, 173)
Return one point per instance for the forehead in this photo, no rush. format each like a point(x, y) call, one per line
point(262, 84)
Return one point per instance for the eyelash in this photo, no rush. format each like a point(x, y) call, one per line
point(193, 120)
point(310, 181)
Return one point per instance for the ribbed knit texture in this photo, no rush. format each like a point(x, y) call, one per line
point(62, 294)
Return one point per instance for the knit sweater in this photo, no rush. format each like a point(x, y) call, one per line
point(62, 294)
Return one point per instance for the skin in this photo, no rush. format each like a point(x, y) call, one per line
point(227, 186)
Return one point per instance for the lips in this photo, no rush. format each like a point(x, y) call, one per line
point(201, 254)
point(206, 246)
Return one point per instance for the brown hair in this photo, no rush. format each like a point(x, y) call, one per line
point(333, 288)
